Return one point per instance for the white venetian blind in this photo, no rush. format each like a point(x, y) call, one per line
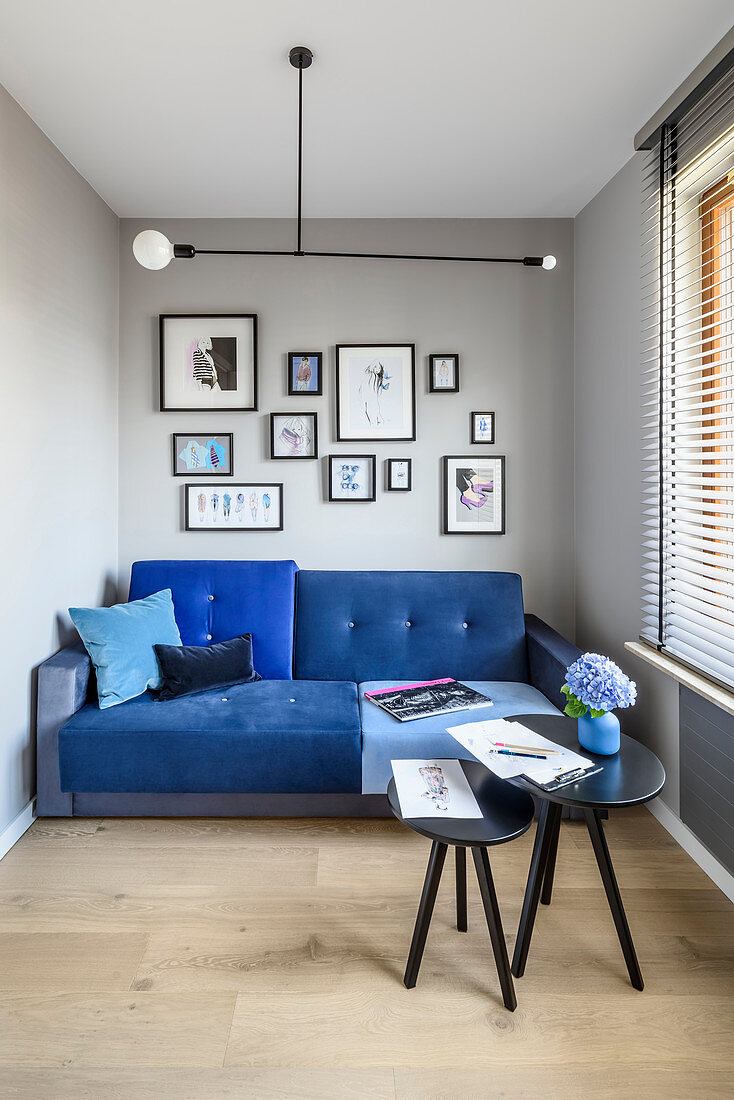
point(688, 387)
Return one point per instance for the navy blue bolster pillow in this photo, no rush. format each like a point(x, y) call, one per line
point(186, 669)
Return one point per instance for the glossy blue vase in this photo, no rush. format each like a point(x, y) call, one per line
point(599, 735)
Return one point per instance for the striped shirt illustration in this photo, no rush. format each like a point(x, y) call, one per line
point(204, 372)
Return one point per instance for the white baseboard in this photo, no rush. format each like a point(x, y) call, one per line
point(690, 843)
point(17, 827)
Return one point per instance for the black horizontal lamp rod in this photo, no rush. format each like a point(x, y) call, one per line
point(187, 251)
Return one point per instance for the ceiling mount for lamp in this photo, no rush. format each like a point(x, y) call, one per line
point(153, 250)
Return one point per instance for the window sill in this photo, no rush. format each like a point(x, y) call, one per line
point(715, 694)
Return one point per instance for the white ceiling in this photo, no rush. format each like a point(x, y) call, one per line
point(414, 108)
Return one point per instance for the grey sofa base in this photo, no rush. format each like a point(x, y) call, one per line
point(226, 805)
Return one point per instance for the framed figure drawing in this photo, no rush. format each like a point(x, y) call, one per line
point(208, 361)
point(352, 478)
point(304, 373)
point(482, 427)
point(294, 435)
point(399, 475)
point(375, 392)
point(202, 455)
point(238, 507)
point(474, 495)
point(443, 373)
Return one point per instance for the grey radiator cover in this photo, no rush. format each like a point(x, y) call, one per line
point(707, 774)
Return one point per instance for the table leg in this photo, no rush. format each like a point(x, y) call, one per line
point(603, 859)
point(494, 923)
point(461, 915)
point(541, 848)
point(425, 910)
point(550, 868)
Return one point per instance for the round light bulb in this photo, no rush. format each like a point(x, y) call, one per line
point(152, 249)
point(549, 262)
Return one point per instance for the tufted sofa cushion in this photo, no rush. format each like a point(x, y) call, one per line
point(218, 600)
point(409, 626)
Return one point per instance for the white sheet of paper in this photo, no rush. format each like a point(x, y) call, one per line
point(434, 788)
point(481, 738)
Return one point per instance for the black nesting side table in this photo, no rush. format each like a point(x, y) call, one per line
point(631, 777)
point(506, 813)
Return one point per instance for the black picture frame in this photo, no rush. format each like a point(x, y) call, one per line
point(470, 461)
point(408, 438)
point(231, 487)
point(290, 416)
point(473, 426)
point(432, 360)
point(372, 459)
point(163, 319)
point(292, 391)
point(399, 488)
point(204, 471)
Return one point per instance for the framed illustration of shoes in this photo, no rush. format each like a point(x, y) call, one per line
point(474, 494)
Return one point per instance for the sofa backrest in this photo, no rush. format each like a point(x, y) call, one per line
point(218, 600)
point(354, 626)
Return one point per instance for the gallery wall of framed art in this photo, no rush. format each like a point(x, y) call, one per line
point(305, 310)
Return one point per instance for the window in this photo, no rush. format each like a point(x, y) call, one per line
point(688, 388)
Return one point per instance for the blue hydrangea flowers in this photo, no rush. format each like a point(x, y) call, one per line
point(596, 684)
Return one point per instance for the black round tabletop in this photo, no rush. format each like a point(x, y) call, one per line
point(506, 812)
point(629, 777)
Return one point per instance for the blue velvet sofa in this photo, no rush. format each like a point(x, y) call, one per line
point(303, 741)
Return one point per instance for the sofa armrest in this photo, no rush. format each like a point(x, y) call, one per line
point(63, 688)
point(549, 655)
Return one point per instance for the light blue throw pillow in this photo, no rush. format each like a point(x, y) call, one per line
point(120, 642)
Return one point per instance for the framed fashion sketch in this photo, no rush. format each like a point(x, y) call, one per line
point(482, 427)
point(443, 373)
point(399, 475)
point(352, 478)
point(203, 455)
point(294, 435)
point(208, 362)
point(304, 373)
point(246, 506)
point(375, 392)
point(474, 494)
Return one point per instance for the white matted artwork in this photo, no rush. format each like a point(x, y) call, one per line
point(208, 361)
point(294, 435)
point(434, 788)
point(482, 427)
point(352, 477)
point(375, 392)
point(443, 373)
point(399, 475)
point(240, 507)
point(474, 494)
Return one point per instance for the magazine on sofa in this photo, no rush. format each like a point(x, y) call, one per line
point(411, 701)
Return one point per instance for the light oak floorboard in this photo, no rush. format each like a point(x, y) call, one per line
point(611, 1083)
point(257, 868)
point(64, 961)
point(114, 1029)
point(279, 1083)
point(408, 1028)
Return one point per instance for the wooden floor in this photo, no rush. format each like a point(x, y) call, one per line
point(204, 959)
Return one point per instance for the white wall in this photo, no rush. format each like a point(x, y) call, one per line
point(58, 302)
point(511, 326)
point(608, 514)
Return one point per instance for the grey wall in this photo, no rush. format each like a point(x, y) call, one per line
point(58, 296)
point(511, 326)
point(608, 515)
